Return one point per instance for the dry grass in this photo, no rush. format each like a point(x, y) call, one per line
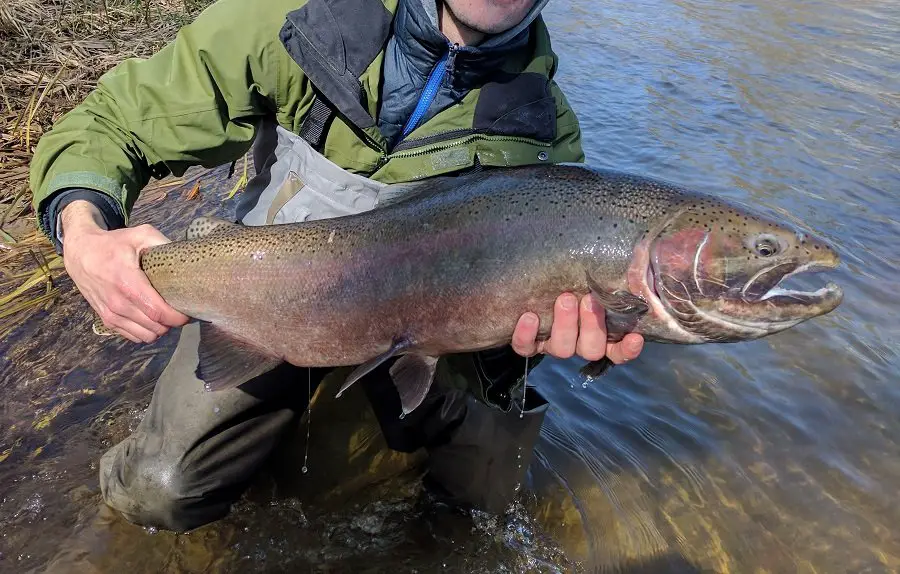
point(28, 273)
point(51, 54)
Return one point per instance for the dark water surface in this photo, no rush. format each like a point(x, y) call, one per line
point(779, 455)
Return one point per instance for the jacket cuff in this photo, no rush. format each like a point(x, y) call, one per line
point(109, 210)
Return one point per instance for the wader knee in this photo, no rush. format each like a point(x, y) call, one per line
point(195, 452)
point(484, 460)
point(479, 440)
point(148, 495)
point(154, 480)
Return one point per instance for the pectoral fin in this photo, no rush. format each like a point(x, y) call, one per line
point(413, 375)
point(596, 369)
point(623, 310)
point(226, 362)
point(620, 302)
point(399, 346)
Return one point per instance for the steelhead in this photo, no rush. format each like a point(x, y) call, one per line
point(452, 264)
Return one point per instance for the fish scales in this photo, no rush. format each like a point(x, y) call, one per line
point(452, 265)
point(481, 248)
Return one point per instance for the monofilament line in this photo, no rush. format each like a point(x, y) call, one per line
point(524, 390)
point(305, 468)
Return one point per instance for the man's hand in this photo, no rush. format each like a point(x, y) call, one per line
point(577, 329)
point(105, 267)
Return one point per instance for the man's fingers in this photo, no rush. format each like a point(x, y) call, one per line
point(142, 292)
point(577, 328)
point(153, 305)
point(523, 340)
point(626, 349)
point(564, 330)
point(139, 325)
point(127, 335)
point(125, 305)
point(132, 331)
point(592, 330)
point(105, 265)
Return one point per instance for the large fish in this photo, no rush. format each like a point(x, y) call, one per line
point(451, 265)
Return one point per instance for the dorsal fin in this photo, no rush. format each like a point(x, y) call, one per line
point(399, 192)
point(203, 226)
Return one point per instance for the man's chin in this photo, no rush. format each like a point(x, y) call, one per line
point(490, 17)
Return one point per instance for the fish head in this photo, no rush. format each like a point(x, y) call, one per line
point(718, 269)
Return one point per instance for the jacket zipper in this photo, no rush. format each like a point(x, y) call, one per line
point(463, 141)
point(443, 67)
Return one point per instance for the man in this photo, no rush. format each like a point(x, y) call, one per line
point(338, 98)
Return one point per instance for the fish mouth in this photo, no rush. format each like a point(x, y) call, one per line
point(777, 294)
point(763, 306)
point(767, 305)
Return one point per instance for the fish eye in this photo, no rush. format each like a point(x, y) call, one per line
point(766, 246)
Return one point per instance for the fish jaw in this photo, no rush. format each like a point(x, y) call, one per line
point(725, 283)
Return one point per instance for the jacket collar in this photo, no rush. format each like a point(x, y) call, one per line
point(422, 44)
point(338, 42)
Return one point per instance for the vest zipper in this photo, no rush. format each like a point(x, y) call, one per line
point(443, 67)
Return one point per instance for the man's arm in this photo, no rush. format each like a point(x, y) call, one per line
point(196, 102)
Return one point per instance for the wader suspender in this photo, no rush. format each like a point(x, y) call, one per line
point(315, 124)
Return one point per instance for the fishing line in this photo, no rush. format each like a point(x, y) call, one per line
point(304, 469)
point(524, 390)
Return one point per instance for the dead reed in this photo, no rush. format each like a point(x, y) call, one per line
point(52, 53)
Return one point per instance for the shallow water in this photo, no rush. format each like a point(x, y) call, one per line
point(779, 455)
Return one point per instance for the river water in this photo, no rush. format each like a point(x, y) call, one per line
point(779, 455)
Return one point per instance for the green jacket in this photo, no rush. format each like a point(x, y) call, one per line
point(199, 100)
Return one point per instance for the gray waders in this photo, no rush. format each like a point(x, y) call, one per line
point(195, 452)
